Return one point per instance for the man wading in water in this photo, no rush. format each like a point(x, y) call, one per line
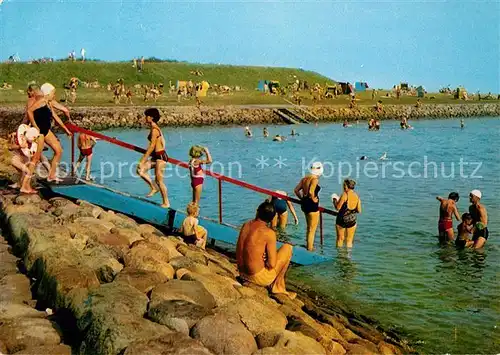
point(447, 209)
point(479, 219)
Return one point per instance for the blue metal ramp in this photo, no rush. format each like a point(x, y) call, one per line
point(152, 213)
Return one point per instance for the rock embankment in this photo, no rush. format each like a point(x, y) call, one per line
point(99, 118)
point(132, 290)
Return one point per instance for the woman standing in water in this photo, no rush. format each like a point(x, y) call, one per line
point(40, 115)
point(159, 158)
point(281, 207)
point(307, 191)
point(348, 205)
point(196, 171)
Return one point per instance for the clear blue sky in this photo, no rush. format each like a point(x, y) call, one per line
point(384, 42)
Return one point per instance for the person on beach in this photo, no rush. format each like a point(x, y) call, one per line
point(447, 209)
point(465, 230)
point(40, 115)
point(307, 191)
point(281, 207)
point(258, 260)
point(265, 132)
point(479, 219)
point(196, 171)
point(348, 206)
point(159, 157)
point(23, 145)
point(191, 232)
point(33, 92)
point(85, 145)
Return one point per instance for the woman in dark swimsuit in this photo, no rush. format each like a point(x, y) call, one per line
point(281, 207)
point(307, 190)
point(40, 115)
point(159, 158)
point(348, 206)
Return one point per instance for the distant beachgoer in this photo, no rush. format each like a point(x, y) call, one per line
point(141, 67)
point(418, 104)
point(196, 171)
point(265, 132)
point(348, 205)
point(281, 206)
point(346, 124)
point(377, 125)
point(462, 123)
point(159, 158)
point(23, 145)
point(85, 145)
point(384, 156)
point(404, 123)
point(373, 94)
point(248, 132)
point(294, 133)
point(277, 138)
point(465, 230)
point(371, 124)
point(379, 107)
point(40, 115)
point(191, 232)
point(82, 52)
point(479, 219)
point(307, 191)
point(258, 260)
point(447, 209)
point(363, 157)
point(134, 65)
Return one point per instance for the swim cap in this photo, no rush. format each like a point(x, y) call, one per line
point(281, 192)
point(335, 197)
point(317, 168)
point(476, 193)
point(196, 151)
point(47, 88)
point(31, 134)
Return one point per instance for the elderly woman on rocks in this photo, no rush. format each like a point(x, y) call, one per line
point(348, 205)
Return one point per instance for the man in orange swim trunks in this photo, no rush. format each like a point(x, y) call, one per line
point(258, 260)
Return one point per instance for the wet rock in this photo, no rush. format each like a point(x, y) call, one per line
point(221, 288)
point(25, 333)
point(222, 335)
point(60, 349)
point(182, 290)
point(170, 344)
point(15, 288)
point(177, 315)
point(286, 342)
point(142, 280)
point(366, 344)
point(348, 335)
point(388, 349)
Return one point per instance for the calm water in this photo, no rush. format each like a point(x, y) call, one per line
point(447, 300)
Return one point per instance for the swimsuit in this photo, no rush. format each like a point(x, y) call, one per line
point(308, 205)
point(196, 173)
point(484, 233)
point(160, 154)
point(43, 119)
point(344, 210)
point(279, 205)
point(86, 151)
point(444, 225)
point(264, 277)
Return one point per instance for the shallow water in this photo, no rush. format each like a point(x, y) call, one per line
point(447, 300)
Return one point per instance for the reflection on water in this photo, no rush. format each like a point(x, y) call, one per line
point(397, 272)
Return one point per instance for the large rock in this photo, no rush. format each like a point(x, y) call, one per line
point(178, 315)
point(28, 200)
point(142, 280)
point(170, 344)
point(18, 310)
point(181, 290)
point(60, 349)
point(8, 264)
point(118, 220)
point(90, 226)
point(15, 288)
point(149, 230)
point(183, 262)
point(193, 253)
point(25, 333)
point(164, 242)
point(71, 212)
point(220, 287)
point(150, 257)
point(356, 349)
point(103, 263)
point(286, 342)
point(130, 234)
point(257, 317)
point(223, 335)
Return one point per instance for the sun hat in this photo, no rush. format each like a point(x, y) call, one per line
point(317, 168)
point(476, 193)
point(47, 88)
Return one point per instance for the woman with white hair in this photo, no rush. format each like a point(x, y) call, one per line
point(307, 191)
point(40, 115)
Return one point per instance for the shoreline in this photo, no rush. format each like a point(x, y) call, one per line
point(101, 118)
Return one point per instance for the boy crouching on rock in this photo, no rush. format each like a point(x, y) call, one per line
point(191, 232)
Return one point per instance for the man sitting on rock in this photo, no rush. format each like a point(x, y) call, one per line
point(258, 260)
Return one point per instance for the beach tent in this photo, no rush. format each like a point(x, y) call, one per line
point(261, 85)
point(360, 86)
point(420, 91)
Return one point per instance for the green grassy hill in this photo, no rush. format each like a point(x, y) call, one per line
point(19, 74)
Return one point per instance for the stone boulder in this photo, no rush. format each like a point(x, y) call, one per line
point(223, 335)
point(103, 262)
point(149, 230)
point(25, 333)
point(28, 200)
point(221, 288)
point(356, 349)
point(286, 342)
point(142, 280)
point(148, 256)
point(91, 227)
point(170, 344)
point(193, 253)
point(178, 315)
point(15, 288)
point(118, 220)
point(60, 349)
point(8, 264)
point(164, 242)
point(257, 317)
point(129, 234)
point(18, 310)
point(183, 262)
point(182, 290)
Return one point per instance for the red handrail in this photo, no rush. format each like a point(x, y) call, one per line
point(73, 128)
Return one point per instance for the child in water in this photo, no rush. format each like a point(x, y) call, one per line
point(464, 232)
point(86, 145)
point(191, 232)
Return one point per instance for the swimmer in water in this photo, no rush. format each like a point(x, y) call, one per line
point(465, 230)
point(281, 206)
point(248, 132)
point(363, 157)
point(294, 133)
point(85, 145)
point(384, 156)
point(265, 132)
point(462, 123)
point(346, 124)
point(278, 138)
point(447, 209)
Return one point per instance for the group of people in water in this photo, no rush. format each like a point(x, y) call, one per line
point(265, 134)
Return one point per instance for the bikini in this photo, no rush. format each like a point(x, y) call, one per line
point(308, 205)
point(161, 154)
point(197, 176)
point(43, 119)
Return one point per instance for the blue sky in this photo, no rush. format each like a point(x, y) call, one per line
point(384, 42)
